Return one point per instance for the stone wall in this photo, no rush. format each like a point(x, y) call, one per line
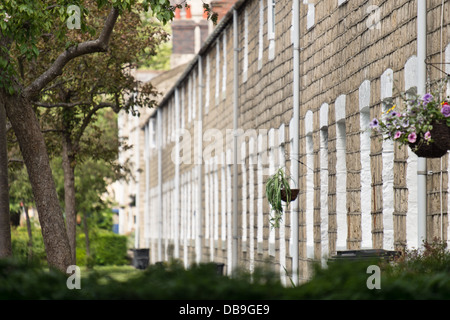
point(356, 191)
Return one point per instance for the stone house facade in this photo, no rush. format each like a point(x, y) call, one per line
point(356, 191)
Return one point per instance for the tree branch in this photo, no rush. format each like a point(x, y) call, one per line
point(98, 45)
point(87, 120)
point(52, 130)
point(62, 104)
point(15, 160)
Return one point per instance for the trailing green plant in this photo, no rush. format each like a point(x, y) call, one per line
point(277, 183)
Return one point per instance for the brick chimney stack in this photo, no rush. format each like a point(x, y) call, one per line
point(190, 28)
point(221, 7)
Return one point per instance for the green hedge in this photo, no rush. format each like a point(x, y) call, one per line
point(19, 244)
point(106, 248)
point(422, 277)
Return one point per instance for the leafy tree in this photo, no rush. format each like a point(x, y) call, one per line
point(89, 85)
point(23, 25)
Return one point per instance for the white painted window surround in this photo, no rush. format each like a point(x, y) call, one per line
point(244, 193)
point(271, 27)
point(447, 70)
point(282, 229)
point(224, 65)
point(387, 82)
point(260, 34)
point(366, 178)
point(341, 173)
point(252, 159)
point(311, 15)
point(410, 76)
point(245, 57)
point(324, 180)
point(217, 72)
point(309, 185)
point(207, 87)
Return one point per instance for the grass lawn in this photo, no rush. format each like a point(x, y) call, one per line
point(118, 273)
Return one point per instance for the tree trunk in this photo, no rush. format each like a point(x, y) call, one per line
point(68, 164)
point(34, 152)
point(5, 224)
point(86, 236)
point(30, 234)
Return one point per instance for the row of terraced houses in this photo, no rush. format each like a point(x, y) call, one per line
point(294, 85)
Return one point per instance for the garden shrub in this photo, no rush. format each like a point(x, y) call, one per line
point(107, 248)
point(19, 244)
point(422, 276)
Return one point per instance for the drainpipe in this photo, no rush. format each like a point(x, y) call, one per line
point(421, 89)
point(177, 174)
point(138, 186)
point(198, 244)
point(296, 148)
point(235, 142)
point(160, 202)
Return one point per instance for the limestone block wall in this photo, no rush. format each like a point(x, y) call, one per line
point(356, 191)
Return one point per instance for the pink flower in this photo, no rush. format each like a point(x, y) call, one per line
point(412, 137)
point(397, 135)
point(427, 135)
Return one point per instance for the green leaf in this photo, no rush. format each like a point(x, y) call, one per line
point(35, 50)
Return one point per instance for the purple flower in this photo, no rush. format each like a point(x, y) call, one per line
point(427, 98)
point(427, 135)
point(412, 137)
point(394, 114)
point(374, 123)
point(446, 110)
point(398, 134)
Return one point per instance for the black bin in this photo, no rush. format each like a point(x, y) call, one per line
point(219, 268)
point(141, 258)
point(366, 254)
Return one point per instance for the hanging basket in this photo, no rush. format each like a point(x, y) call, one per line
point(438, 148)
point(294, 194)
point(423, 150)
point(441, 134)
